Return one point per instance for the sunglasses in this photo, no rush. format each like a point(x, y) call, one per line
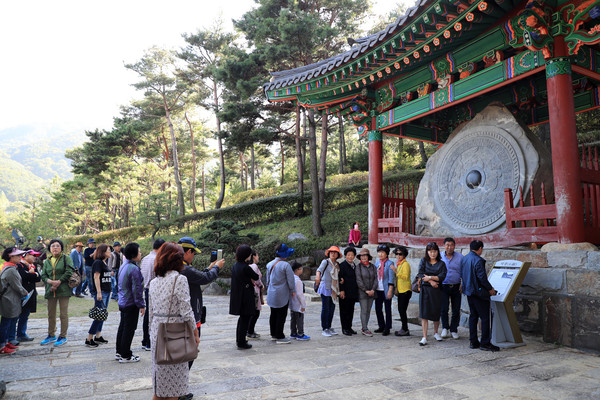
point(432, 244)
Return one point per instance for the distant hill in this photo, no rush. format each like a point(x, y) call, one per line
point(31, 156)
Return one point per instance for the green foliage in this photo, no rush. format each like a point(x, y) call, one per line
point(224, 235)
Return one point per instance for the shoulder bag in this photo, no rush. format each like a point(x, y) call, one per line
point(416, 285)
point(175, 342)
point(316, 285)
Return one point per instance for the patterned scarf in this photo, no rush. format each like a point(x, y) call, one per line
point(381, 268)
point(335, 286)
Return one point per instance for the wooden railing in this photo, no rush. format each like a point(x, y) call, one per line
point(590, 185)
point(398, 214)
point(533, 215)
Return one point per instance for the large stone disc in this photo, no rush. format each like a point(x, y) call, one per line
point(474, 169)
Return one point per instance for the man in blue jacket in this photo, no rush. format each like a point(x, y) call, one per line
point(131, 302)
point(478, 290)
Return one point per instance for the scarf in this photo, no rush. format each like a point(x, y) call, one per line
point(364, 262)
point(381, 268)
point(335, 286)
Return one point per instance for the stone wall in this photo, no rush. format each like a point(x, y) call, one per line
point(559, 298)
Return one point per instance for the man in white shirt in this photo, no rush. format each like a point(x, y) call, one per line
point(147, 269)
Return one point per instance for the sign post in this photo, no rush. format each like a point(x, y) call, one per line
point(506, 277)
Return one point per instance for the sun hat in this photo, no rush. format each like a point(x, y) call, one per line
point(284, 251)
point(189, 243)
point(32, 252)
point(91, 240)
point(16, 252)
point(333, 248)
point(365, 252)
point(78, 244)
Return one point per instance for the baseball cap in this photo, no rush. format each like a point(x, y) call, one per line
point(188, 243)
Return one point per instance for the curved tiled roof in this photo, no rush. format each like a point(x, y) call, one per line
point(300, 74)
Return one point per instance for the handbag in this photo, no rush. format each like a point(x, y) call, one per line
point(416, 285)
point(175, 342)
point(98, 313)
point(74, 279)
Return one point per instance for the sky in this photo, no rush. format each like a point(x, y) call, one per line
point(62, 63)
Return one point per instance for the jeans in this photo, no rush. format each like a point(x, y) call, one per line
point(12, 329)
point(22, 324)
point(327, 310)
point(127, 327)
point(297, 323)
point(114, 287)
point(451, 294)
point(277, 321)
point(97, 325)
point(403, 300)
point(252, 322)
point(146, 322)
point(5, 324)
point(346, 313)
point(81, 287)
point(366, 304)
point(480, 309)
point(90, 281)
point(380, 300)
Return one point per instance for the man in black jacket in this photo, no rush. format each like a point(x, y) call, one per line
point(478, 290)
point(196, 278)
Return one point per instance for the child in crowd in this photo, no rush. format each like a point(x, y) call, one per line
point(298, 306)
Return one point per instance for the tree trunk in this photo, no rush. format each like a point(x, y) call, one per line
point(242, 170)
point(423, 155)
point(220, 145)
point(282, 162)
point(317, 228)
point(193, 186)
point(252, 166)
point(400, 146)
point(180, 200)
point(342, 146)
point(323, 163)
point(203, 189)
point(300, 165)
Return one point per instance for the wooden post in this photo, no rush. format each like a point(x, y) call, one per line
point(565, 153)
point(375, 184)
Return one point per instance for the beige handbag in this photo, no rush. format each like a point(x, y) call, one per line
point(176, 342)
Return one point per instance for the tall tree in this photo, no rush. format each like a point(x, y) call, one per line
point(203, 54)
point(162, 89)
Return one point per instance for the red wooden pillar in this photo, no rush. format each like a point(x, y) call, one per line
point(375, 184)
point(565, 153)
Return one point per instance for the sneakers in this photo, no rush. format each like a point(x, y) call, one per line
point(60, 341)
point(25, 339)
point(283, 341)
point(378, 330)
point(386, 332)
point(437, 337)
point(445, 333)
point(48, 340)
point(294, 336)
point(326, 332)
point(423, 342)
point(253, 336)
point(6, 350)
point(402, 332)
point(131, 359)
point(367, 333)
point(118, 357)
point(12, 346)
point(90, 343)
point(455, 335)
point(489, 347)
point(146, 348)
point(303, 337)
point(332, 331)
point(100, 340)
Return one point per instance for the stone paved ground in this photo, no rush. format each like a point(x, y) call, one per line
point(329, 368)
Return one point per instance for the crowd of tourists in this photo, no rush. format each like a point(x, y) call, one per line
point(167, 285)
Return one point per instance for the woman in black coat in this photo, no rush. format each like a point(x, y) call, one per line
point(242, 300)
point(29, 277)
point(348, 290)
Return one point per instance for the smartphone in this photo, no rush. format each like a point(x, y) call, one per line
point(219, 254)
point(213, 256)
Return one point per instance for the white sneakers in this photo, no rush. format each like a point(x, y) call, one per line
point(455, 335)
point(326, 332)
point(437, 337)
point(423, 342)
point(445, 333)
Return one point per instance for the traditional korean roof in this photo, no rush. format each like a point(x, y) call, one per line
point(360, 46)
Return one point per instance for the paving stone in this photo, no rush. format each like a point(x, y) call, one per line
point(328, 368)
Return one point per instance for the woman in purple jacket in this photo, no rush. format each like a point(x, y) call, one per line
point(131, 302)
